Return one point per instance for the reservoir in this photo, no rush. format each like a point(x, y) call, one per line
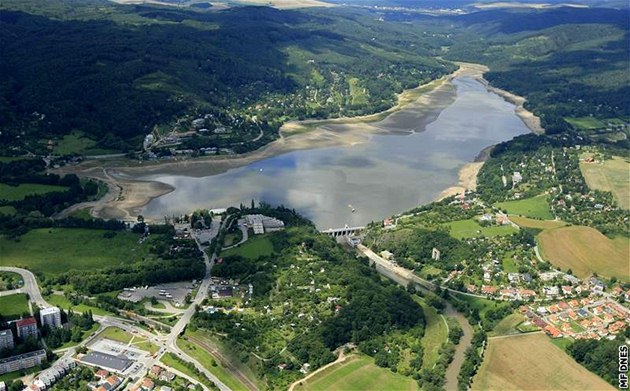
point(412, 157)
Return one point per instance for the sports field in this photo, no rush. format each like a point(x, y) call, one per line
point(585, 250)
point(463, 229)
point(533, 223)
point(357, 373)
point(586, 123)
point(13, 306)
point(531, 362)
point(611, 175)
point(253, 248)
point(17, 193)
point(57, 250)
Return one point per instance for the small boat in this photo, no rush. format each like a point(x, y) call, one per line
point(351, 208)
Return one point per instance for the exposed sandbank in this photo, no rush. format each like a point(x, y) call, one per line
point(132, 192)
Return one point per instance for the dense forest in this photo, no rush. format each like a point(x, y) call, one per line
point(312, 297)
point(117, 72)
point(567, 62)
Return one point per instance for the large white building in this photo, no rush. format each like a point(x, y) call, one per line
point(261, 224)
point(51, 316)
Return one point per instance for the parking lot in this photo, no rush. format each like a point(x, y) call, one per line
point(174, 292)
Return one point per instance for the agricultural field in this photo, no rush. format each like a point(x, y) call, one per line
point(253, 248)
point(533, 223)
point(585, 250)
point(56, 250)
point(19, 192)
point(532, 362)
point(12, 306)
point(356, 373)
point(611, 175)
point(535, 207)
point(463, 229)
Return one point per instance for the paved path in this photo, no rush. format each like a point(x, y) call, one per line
point(244, 235)
point(30, 285)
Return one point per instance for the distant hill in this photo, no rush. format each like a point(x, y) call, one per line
point(115, 72)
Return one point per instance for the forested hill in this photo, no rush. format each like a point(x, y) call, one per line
point(570, 63)
point(112, 73)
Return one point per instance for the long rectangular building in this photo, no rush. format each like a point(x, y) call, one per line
point(22, 361)
point(116, 364)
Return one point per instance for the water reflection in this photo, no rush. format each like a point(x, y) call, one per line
point(387, 175)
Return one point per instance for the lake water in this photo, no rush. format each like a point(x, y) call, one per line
point(386, 175)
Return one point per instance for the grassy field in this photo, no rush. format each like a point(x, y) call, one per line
point(532, 362)
point(585, 123)
point(533, 223)
point(116, 334)
point(57, 250)
point(62, 302)
point(206, 359)
point(507, 326)
point(252, 248)
point(612, 175)
point(169, 359)
point(17, 193)
point(74, 142)
point(357, 373)
point(7, 210)
point(435, 334)
point(535, 207)
point(585, 250)
point(82, 214)
point(463, 229)
point(13, 306)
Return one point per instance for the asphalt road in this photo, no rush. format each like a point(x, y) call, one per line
point(30, 285)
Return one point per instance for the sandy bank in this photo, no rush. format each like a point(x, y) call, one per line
point(528, 118)
point(131, 188)
point(467, 180)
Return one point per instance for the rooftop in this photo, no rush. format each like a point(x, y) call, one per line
point(103, 360)
point(26, 322)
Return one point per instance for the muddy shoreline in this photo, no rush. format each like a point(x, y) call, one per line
point(135, 189)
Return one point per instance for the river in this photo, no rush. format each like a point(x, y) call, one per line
point(417, 155)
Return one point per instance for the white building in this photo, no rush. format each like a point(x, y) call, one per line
point(261, 224)
point(51, 317)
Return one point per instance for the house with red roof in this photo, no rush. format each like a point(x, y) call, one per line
point(553, 332)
